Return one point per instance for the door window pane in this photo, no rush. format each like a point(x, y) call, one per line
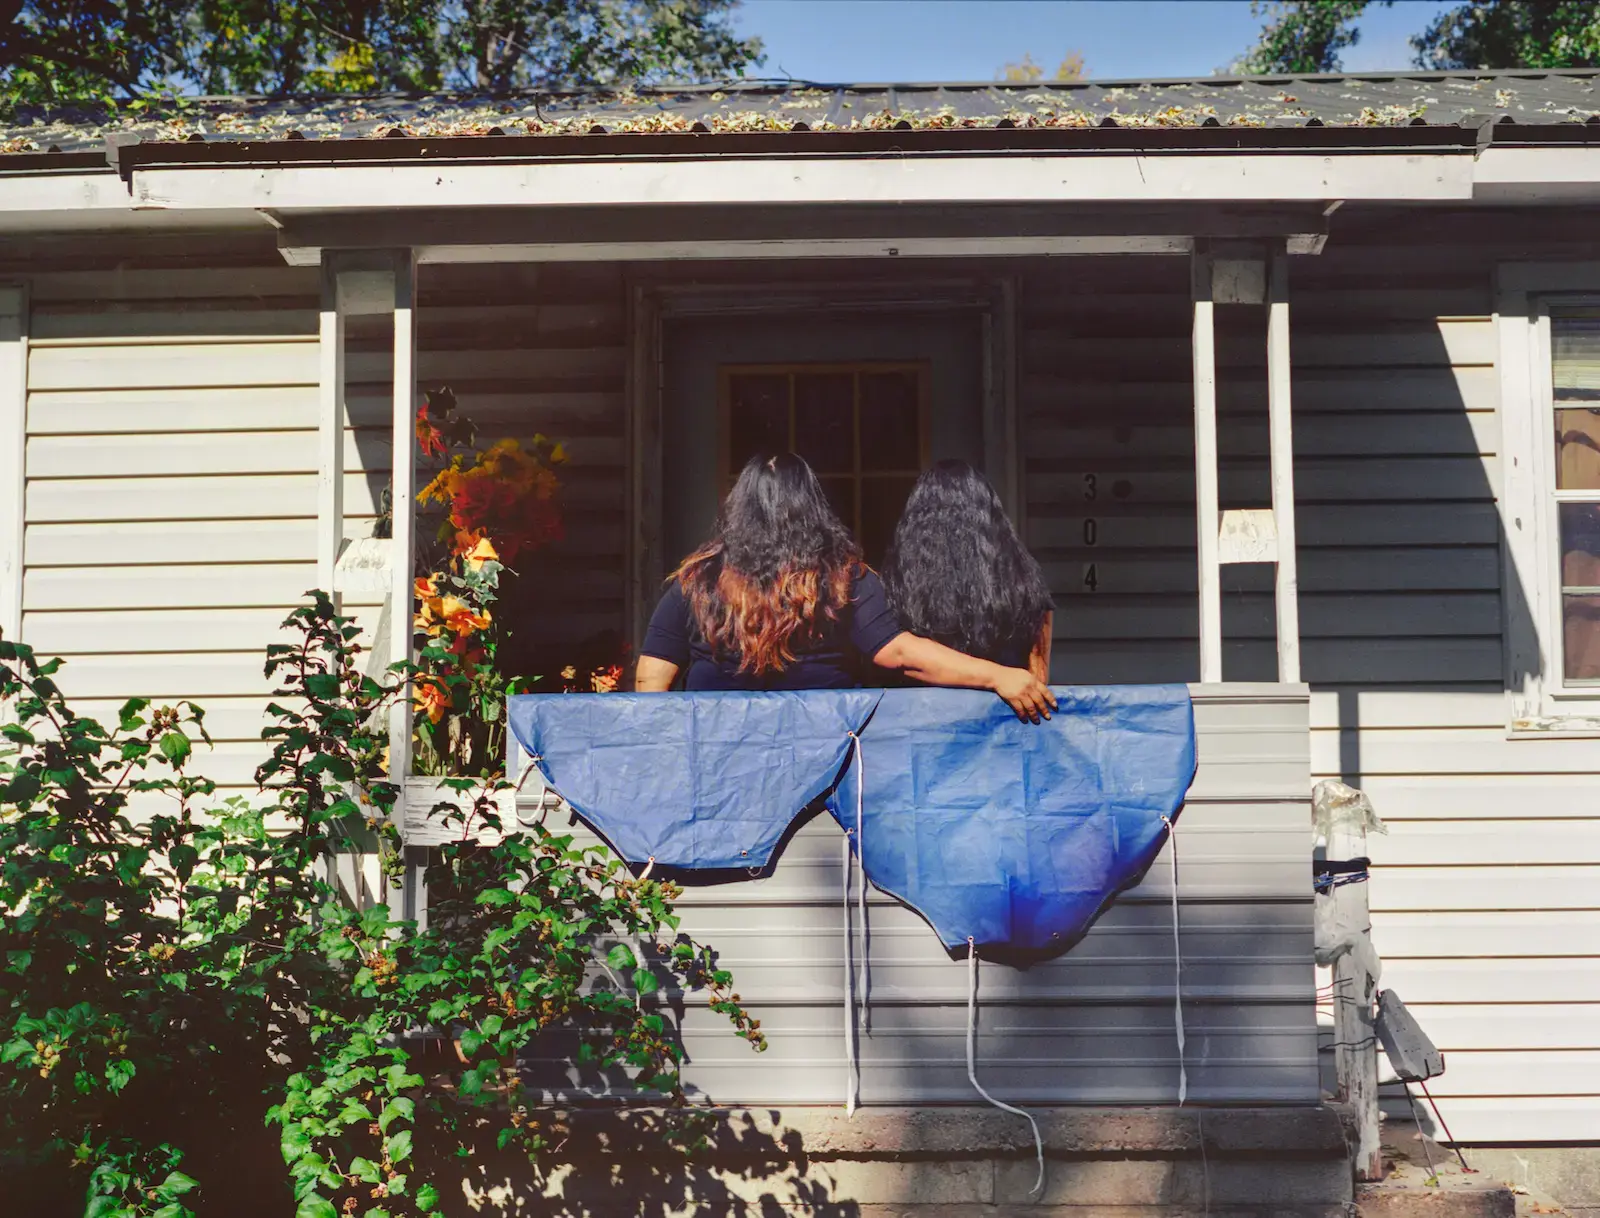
point(824, 421)
point(882, 501)
point(841, 493)
point(758, 417)
point(891, 430)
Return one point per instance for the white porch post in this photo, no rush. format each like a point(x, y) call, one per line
point(330, 431)
point(1207, 515)
point(402, 509)
point(1287, 598)
point(13, 447)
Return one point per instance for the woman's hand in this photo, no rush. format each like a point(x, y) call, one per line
point(935, 664)
point(1025, 693)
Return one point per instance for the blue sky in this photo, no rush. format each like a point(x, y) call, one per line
point(907, 40)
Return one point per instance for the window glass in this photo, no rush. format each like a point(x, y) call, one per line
point(1575, 388)
point(758, 417)
point(862, 428)
point(825, 421)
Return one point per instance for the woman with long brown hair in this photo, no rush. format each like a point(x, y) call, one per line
point(779, 598)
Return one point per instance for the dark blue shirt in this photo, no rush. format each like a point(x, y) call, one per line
point(837, 656)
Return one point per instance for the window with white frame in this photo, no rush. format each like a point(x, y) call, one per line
point(1549, 352)
point(1573, 488)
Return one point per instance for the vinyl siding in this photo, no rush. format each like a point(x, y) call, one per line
point(170, 476)
point(1483, 891)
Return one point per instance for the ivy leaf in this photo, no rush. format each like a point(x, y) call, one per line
point(184, 858)
point(621, 957)
point(175, 747)
point(315, 1206)
point(471, 1041)
point(427, 1198)
point(398, 1146)
point(118, 1075)
point(365, 1170)
point(400, 1109)
point(645, 981)
point(496, 896)
point(175, 1185)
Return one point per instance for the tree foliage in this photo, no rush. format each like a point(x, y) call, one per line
point(1302, 36)
point(173, 974)
point(64, 51)
point(1027, 71)
point(1507, 34)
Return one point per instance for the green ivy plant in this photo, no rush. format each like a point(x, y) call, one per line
point(180, 979)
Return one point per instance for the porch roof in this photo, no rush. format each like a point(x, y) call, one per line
point(1289, 108)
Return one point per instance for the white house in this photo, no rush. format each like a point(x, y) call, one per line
point(1349, 324)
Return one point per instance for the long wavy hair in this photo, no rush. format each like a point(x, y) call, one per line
point(778, 566)
point(958, 573)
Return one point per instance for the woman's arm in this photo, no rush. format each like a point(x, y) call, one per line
point(1039, 657)
point(654, 676)
point(935, 664)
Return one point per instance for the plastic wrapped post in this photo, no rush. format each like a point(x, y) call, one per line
point(1344, 815)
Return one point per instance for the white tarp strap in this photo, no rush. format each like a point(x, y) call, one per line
point(852, 1099)
point(1177, 963)
point(972, 1064)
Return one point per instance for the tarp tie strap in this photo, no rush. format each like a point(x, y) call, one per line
point(972, 1064)
point(1177, 963)
point(853, 1083)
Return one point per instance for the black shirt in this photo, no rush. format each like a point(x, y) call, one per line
point(838, 656)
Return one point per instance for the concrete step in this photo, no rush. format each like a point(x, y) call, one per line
point(1462, 1199)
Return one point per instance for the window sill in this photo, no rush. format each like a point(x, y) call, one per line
point(1555, 727)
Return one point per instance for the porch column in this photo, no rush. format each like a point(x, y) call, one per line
point(1281, 447)
point(1207, 515)
point(330, 431)
point(403, 509)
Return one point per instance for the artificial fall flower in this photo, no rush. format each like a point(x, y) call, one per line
point(606, 680)
point(429, 437)
point(458, 616)
point(481, 553)
point(431, 700)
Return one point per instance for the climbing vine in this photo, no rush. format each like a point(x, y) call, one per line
point(179, 975)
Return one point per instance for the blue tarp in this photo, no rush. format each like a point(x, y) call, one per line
point(698, 781)
point(1010, 833)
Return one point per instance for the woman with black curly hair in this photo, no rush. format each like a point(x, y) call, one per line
point(779, 598)
point(958, 573)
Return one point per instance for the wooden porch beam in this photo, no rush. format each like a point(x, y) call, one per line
point(1206, 497)
point(1281, 447)
point(330, 431)
point(403, 502)
point(13, 447)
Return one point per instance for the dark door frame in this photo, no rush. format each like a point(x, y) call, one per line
point(652, 302)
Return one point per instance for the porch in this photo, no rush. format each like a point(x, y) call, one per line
point(1124, 473)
